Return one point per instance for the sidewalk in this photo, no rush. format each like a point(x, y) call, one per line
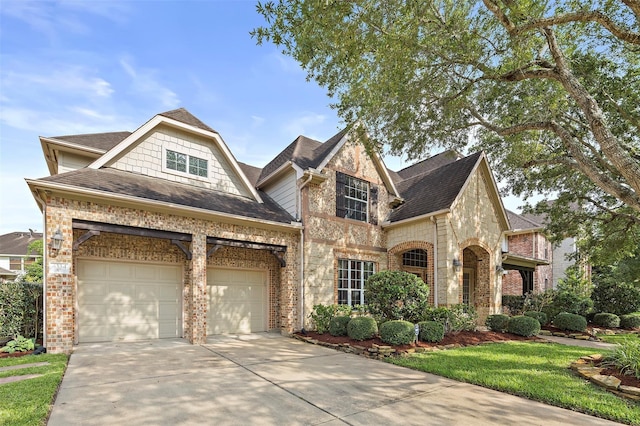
point(576, 342)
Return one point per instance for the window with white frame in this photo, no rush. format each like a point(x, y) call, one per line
point(178, 161)
point(351, 277)
point(356, 198)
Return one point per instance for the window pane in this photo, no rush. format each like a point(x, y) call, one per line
point(416, 257)
point(176, 161)
point(198, 166)
point(15, 263)
point(356, 197)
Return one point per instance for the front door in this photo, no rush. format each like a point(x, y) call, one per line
point(468, 286)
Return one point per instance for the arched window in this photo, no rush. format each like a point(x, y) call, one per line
point(416, 258)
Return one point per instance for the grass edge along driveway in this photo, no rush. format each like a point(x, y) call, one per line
point(28, 402)
point(537, 371)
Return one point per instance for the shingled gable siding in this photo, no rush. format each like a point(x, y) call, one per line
point(61, 295)
point(147, 158)
point(329, 237)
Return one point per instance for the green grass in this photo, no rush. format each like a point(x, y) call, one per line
point(537, 371)
point(617, 338)
point(28, 402)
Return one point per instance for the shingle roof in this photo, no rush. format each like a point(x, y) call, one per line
point(304, 152)
point(429, 164)
point(434, 190)
point(184, 116)
point(134, 185)
point(17, 242)
point(252, 173)
point(103, 141)
point(520, 222)
point(7, 273)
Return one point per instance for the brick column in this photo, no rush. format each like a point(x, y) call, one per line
point(198, 295)
point(60, 294)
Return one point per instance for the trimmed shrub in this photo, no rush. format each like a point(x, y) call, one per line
point(523, 326)
point(397, 332)
point(431, 331)
point(20, 309)
point(568, 301)
point(569, 321)
point(396, 295)
point(630, 320)
point(540, 316)
point(605, 319)
point(497, 322)
point(338, 325)
point(513, 304)
point(362, 328)
point(458, 317)
point(616, 297)
point(322, 314)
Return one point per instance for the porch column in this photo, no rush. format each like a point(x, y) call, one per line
point(59, 286)
point(198, 296)
point(448, 278)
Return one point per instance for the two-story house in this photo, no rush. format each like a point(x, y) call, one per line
point(161, 232)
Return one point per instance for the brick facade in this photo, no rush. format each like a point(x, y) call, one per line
point(532, 245)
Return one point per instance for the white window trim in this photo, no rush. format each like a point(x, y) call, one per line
point(347, 197)
point(362, 279)
point(186, 174)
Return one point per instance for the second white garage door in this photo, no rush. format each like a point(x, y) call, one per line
point(237, 301)
point(128, 301)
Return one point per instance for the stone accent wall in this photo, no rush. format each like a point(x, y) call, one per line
point(395, 261)
point(60, 287)
point(148, 158)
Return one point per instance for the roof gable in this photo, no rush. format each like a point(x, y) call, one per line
point(17, 243)
point(429, 164)
point(184, 121)
point(521, 223)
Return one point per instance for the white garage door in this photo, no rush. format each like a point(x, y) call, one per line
point(128, 301)
point(237, 301)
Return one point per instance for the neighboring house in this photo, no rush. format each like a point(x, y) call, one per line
point(14, 253)
point(165, 234)
point(529, 259)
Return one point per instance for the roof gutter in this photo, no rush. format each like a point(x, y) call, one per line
point(390, 225)
point(35, 185)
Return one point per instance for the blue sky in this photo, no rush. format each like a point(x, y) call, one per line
point(71, 67)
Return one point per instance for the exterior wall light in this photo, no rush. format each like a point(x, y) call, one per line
point(456, 264)
point(56, 240)
point(499, 269)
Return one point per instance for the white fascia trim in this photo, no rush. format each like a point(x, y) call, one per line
point(389, 225)
point(385, 174)
point(333, 152)
point(72, 146)
point(101, 195)
point(159, 119)
point(275, 173)
point(512, 232)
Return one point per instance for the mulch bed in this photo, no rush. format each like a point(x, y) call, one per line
point(15, 354)
point(463, 338)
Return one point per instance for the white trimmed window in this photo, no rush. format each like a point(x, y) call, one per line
point(178, 161)
point(351, 277)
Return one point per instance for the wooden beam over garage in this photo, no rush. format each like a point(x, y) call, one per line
point(277, 250)
point(130, 230)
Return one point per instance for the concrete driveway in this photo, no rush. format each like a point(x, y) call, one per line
point(267, 379)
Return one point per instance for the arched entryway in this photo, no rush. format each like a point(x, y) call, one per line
point(475, 285)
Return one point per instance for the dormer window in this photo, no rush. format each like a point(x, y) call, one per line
point(178, 162)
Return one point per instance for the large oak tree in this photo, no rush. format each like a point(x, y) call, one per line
point(550, 89)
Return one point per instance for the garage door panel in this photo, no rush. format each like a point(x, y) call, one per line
point(128, 301)
point(237, 301)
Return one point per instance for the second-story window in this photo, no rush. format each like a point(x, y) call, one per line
point(356, 199)
point(178, 161)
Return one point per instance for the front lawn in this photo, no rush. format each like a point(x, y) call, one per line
point(27, 402)
point(537, 371)
point(617, 338)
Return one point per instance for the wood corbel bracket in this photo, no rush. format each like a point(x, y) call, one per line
point(84, 237)
point(182, 247)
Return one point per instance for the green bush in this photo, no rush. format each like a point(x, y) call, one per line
point(397, 332)
point(616, 297)
point(523, 326)
point(569, 321)
point(20, 309)
point(497, 322)
point(19, 344)
point(540, 316)
point(458, 317)
point(513, 304)
point(338, 325)
point(630, 320)
point(322, 314)
point(431, 331)
point(396, 295)
point(537, 301)
point(568, 301)
point(362, 328)
point(605, 319)
point(626, 357)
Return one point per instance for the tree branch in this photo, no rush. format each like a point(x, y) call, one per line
point(589, 16)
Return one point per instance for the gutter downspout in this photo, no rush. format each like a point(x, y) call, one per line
point(435, 261)
point(45, 267)
point(302, 293)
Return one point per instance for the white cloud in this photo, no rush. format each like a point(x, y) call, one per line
point(257, 121)
point(307, 124)
point(145, 82)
